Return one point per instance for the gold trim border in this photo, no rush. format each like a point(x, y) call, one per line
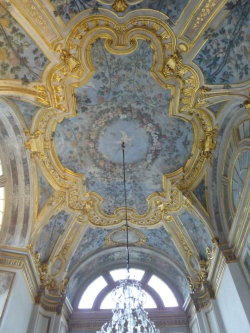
point(121, 35)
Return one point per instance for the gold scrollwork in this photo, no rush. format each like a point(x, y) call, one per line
point(74, 68)
point(42, 95)
point(205, 12)
point(198, 281)
point(35, 143)
point(141, 239)
point(47, 283)
point(120, 5)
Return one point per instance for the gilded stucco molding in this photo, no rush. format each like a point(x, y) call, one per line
point(48, 284)
point(216, 93)
point(54, 205)
point(74, 69)
point(198, 269)
point(216, 271)
point(141, 239)
point(120, 5)
point(33, 15)
point(30, 91)
point(65, 247)
point(199, 20)
point(201, 288)
point(202, 299)
point(20, 259)
point(194, 206)
point(182, 242)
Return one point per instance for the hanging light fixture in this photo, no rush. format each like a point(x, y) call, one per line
point(129, 315)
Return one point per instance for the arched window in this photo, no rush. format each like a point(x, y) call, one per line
point(2, 194)
point(98, 294)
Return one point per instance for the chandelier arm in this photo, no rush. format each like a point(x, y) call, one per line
point(125, 201)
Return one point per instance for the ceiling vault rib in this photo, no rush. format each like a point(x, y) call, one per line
point(192, 27)
point(182, 241)
point(38, 22)
point(16, 88)
point(68, 66)
point(66, 245)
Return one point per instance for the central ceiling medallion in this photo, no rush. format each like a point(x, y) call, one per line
point(130, 132)
point(122, 79)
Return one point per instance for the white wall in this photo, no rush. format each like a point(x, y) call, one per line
point(194, 326)
point(19, 307)
point(43, 321)
point(63, 327)
point(207, 321)
point(213, 319)
point(233, 300)
point(177, 329)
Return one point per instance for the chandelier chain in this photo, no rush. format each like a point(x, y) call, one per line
point(125, 201)
point(129, 315)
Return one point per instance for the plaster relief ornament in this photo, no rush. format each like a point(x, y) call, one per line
point(120, 5)
point(122, 79)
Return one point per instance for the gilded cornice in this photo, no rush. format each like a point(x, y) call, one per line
point(94, 320)
point(74, 68)
point(42, 287)
point(20, 259)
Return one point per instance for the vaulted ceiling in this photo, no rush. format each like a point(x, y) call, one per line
point(171, 80)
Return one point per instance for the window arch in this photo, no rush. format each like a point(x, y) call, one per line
point(2, 193)
point(241, 167)
point(97, 295)
point(236, 163)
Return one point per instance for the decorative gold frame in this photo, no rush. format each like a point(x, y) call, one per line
point(74, 68)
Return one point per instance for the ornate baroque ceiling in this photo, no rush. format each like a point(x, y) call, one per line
point(80, 77)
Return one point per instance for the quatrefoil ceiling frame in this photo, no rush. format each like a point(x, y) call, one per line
point(75, 68)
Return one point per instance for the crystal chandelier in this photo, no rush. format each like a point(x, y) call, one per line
point(129, 315)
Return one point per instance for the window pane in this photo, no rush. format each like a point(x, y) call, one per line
point(120, 274)
point(163, 290)
point(91, 292)
point(1, 193)
point(149, 303)
point(108, 302)
point(1, 205)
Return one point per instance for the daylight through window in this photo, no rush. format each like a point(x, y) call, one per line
point(155, 289)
